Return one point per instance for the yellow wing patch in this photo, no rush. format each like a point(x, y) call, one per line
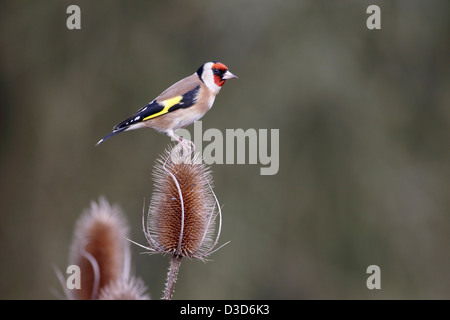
point(167, 105)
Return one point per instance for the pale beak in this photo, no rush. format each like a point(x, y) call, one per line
point(228, 75)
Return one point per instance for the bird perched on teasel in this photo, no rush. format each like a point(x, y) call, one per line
point(181, 104)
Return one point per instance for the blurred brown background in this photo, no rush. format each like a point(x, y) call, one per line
point(364, 119)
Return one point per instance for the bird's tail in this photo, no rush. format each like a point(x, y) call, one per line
point(111, 134)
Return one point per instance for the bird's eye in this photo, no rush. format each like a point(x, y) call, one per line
point(218, 72)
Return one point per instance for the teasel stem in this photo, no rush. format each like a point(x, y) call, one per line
point(172, 276)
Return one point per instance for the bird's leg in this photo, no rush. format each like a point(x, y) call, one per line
point(181, 141)
point(192, 145)
point(174, 136)
point(186, 141)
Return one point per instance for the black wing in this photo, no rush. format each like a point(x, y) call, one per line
point(158, 108)
point(155, 109)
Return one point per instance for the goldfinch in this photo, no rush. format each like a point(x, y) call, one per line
point(181, 104)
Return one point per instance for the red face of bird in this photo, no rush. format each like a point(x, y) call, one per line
point(214, 74)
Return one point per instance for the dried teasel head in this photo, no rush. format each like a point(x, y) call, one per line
point(101, 251)
point(182, 215)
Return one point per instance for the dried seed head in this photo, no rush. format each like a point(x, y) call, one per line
point(99, 248)
point(183, 207)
